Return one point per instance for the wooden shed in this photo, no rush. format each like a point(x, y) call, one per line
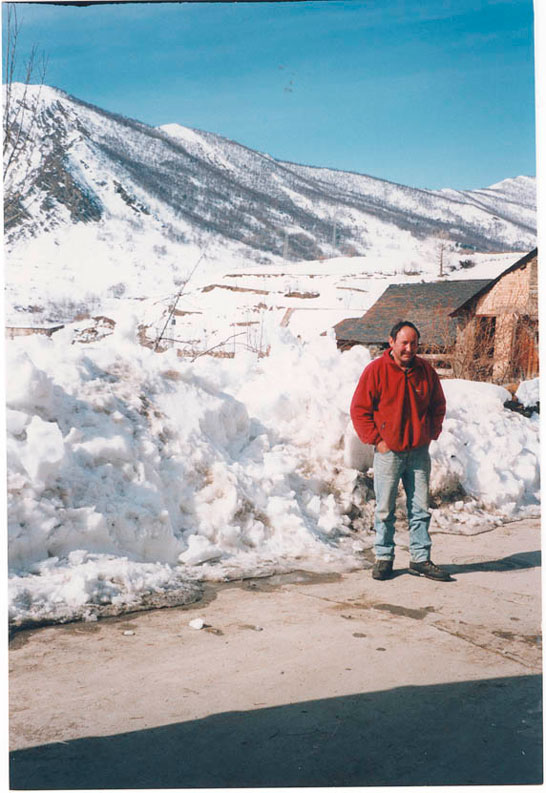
point(497, 328)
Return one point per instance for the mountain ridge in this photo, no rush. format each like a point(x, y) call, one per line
point(254, 200)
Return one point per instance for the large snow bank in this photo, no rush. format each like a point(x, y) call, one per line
point(130, 472)
point(491, 452)
point(115, 452)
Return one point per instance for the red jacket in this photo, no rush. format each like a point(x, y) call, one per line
point(405, 410)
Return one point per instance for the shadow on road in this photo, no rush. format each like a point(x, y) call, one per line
point(517, 561)
point(484, 732)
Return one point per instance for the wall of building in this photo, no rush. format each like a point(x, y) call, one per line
point(505, 330)
point(513, 303)
point(533, 288)
point(509, 295)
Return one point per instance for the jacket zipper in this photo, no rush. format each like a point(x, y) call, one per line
point(406, 397)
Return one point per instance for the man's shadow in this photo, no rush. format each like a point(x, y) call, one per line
point(516, 561)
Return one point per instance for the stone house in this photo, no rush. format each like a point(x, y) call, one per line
point(497, 327)
point(428, 305)
point(482, 329)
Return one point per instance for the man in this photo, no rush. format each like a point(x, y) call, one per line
point(399, 407)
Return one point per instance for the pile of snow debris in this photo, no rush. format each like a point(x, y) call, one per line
point(133, 474)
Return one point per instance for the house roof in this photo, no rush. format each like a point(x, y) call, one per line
point(523, 262)
point(427, 305)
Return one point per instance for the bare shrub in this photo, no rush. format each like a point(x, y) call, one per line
point(466, 351)
point(19, 121)
point(117, 290)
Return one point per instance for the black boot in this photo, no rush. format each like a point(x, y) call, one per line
point(382, 569)
point(429, 570)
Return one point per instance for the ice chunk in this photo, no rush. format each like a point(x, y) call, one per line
point(528, 392)
point(44, 449)
point(200, 550)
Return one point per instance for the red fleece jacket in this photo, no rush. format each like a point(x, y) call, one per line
point(406, 410)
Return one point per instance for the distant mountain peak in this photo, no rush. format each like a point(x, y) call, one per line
point(522, 180)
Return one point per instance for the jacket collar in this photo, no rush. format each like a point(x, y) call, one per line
point(417, 362)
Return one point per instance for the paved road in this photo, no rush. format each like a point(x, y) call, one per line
point(297, 681)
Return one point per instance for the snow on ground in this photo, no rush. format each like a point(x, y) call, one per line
point(225, 305)
point(132, 472)
point(73, 268)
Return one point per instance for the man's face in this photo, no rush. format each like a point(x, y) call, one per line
point(404, 347)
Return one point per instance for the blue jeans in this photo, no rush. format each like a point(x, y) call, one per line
point(413, 468)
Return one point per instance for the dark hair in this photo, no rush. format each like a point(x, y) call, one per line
point(404, 323)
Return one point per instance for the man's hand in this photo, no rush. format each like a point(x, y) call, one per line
point(382, 447)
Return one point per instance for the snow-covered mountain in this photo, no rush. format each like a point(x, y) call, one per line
point(102, 206)
point(89, 164)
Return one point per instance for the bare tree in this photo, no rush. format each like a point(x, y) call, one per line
point(19, 118)
point(442, 248)
point(468, 351)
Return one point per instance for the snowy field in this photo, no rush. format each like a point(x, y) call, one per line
point(90, 270)
point(133, 473)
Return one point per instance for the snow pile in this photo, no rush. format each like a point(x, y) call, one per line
point(132, 474)
point(491, 452)
point(528, 392)
point(115, 452)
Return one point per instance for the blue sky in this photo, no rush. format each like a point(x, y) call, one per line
point(435, 93)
